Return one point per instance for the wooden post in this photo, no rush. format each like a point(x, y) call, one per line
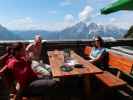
point(87, 86)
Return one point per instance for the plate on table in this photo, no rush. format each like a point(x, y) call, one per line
point(75, 63)
point(66, 67)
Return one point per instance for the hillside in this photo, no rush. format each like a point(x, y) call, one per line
point(77, 31)
point(129, 34)
point(5, 34)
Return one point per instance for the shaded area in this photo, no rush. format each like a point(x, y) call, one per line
point(129, 34)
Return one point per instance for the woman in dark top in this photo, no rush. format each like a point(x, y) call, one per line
point(98, 52)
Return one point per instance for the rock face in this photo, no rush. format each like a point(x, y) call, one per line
point(129, 34)
point(5, 34)
point(77, 31)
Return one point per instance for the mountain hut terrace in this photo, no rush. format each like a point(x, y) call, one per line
point(115, 83)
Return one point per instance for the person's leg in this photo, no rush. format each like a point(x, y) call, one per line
point(46, 66)
point(47, 70)
point(4, 91)
point(42, 87)
point(34, 64)
point(19, 94)
point(35, 98)
point(39, 69)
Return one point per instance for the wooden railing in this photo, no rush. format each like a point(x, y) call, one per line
point(108, 43)
point(76, 45)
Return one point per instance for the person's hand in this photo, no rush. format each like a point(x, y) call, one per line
point(91, 61)
point(17, 86)
point(41, 61)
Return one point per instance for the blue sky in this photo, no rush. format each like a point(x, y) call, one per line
point(58, 14)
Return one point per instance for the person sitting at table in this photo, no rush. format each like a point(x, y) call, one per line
point(34, 54)
point(98, 53)
point(4, 59)
point(5, 81)
point(6, 56)
point(27, 81)
point(21, 70)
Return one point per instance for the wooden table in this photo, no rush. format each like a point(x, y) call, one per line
point(56, 59)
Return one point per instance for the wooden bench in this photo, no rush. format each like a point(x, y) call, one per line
point(107, 78)
point(125, 72)
point(120, 62)
point(117, 61)
point(110, 80)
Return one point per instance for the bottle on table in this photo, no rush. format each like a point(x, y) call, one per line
point(67, 54)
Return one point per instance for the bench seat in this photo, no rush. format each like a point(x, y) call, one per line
point(110, 80)
point(120, 62)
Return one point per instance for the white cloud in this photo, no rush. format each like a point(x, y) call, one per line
point(68, 2)
point(21, 23)
point(95, 15)
point(69, 20)
point(60, 25)
point(113, 1)
point(112, 20)
point(52, 12)
point(101, 1)
point(124, 20)
point(85, 14)
point(65, 4)
point(121, 22)
point(28, 23)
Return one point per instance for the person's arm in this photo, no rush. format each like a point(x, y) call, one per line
point(8, 66)
point(3, 59)
point(29, 47)
point(98, 57)
point(29, 52)
point(4, 56)
point(90, 55)
point(17, 86)
point(3, 70)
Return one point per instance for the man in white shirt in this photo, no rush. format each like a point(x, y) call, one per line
point(34, 54)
